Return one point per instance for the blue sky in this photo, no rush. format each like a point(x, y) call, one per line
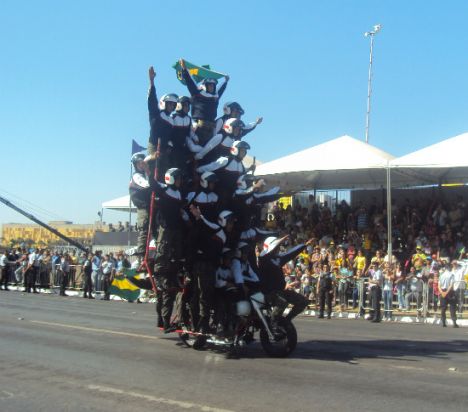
point(74, 83)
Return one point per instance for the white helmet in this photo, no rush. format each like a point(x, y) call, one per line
point(270, 244)
point(171, 175)
point(224, 216)
point(181, 101)
point(206, 178)
point(170, 97)
point(239, 144)
point(229, 125)
point(243, 308)
point(245, 181)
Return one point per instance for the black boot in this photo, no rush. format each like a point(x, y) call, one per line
point(168, 328)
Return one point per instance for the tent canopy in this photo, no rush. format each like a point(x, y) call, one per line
point(121, 204)
point(443, 162)
point(341, 163)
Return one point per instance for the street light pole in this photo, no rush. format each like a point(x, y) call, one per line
point(370, 34)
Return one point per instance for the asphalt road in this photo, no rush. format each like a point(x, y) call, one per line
point(72, 354)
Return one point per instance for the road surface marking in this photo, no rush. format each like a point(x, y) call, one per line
point(6, 395)
point(111, 332)
point(181, 404)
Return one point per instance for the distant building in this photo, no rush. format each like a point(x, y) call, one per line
point(33, 234)
point(114, 241)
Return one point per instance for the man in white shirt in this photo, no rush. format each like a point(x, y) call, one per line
point(447, 297)
point(459, 268)
point(4, 270)
point(31, 272)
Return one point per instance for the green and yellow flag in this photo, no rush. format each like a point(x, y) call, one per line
point(198, 73)
point(121, 286)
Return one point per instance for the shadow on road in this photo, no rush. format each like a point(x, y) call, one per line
point(354, 350)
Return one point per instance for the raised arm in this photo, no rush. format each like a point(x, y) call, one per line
point(251, 126)
point(223, 86)
point(191, 86)
point(153, 108)
point(206, 224)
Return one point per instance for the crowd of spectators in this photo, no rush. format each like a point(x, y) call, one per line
point(427, 239)
point(37, 269)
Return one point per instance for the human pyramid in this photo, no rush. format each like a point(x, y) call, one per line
point(206, 211)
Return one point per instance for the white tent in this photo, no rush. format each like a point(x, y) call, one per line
point(120, 204)
point(341, 163)
point(443, 162)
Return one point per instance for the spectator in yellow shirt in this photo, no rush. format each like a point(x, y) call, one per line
point(378, 260)
point(418, 259)
point(360, 261)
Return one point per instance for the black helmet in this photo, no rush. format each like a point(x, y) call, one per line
point(205, 82)
point(229, 125)
point(210, 80)
point(137, 157)
point(239, 144)
point(180, 102)
point(230, 106)
point(245, 181)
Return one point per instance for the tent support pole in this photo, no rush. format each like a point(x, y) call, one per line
point(389, 216)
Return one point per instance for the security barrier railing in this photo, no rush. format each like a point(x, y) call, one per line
point(422, 302)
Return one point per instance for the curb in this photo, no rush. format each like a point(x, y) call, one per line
point(396, 319)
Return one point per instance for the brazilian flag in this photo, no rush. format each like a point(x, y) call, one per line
point(198, 73)
point(121, 285)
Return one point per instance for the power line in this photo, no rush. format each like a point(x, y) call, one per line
point(31, 207)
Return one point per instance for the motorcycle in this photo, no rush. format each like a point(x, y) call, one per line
point(278, 339)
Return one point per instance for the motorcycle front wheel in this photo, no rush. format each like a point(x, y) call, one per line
point(285, 340)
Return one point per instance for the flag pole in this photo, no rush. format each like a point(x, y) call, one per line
point(129, 231)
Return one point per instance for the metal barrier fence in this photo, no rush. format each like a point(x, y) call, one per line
point(75, 276)
point(421, 302)
point(49, 276)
